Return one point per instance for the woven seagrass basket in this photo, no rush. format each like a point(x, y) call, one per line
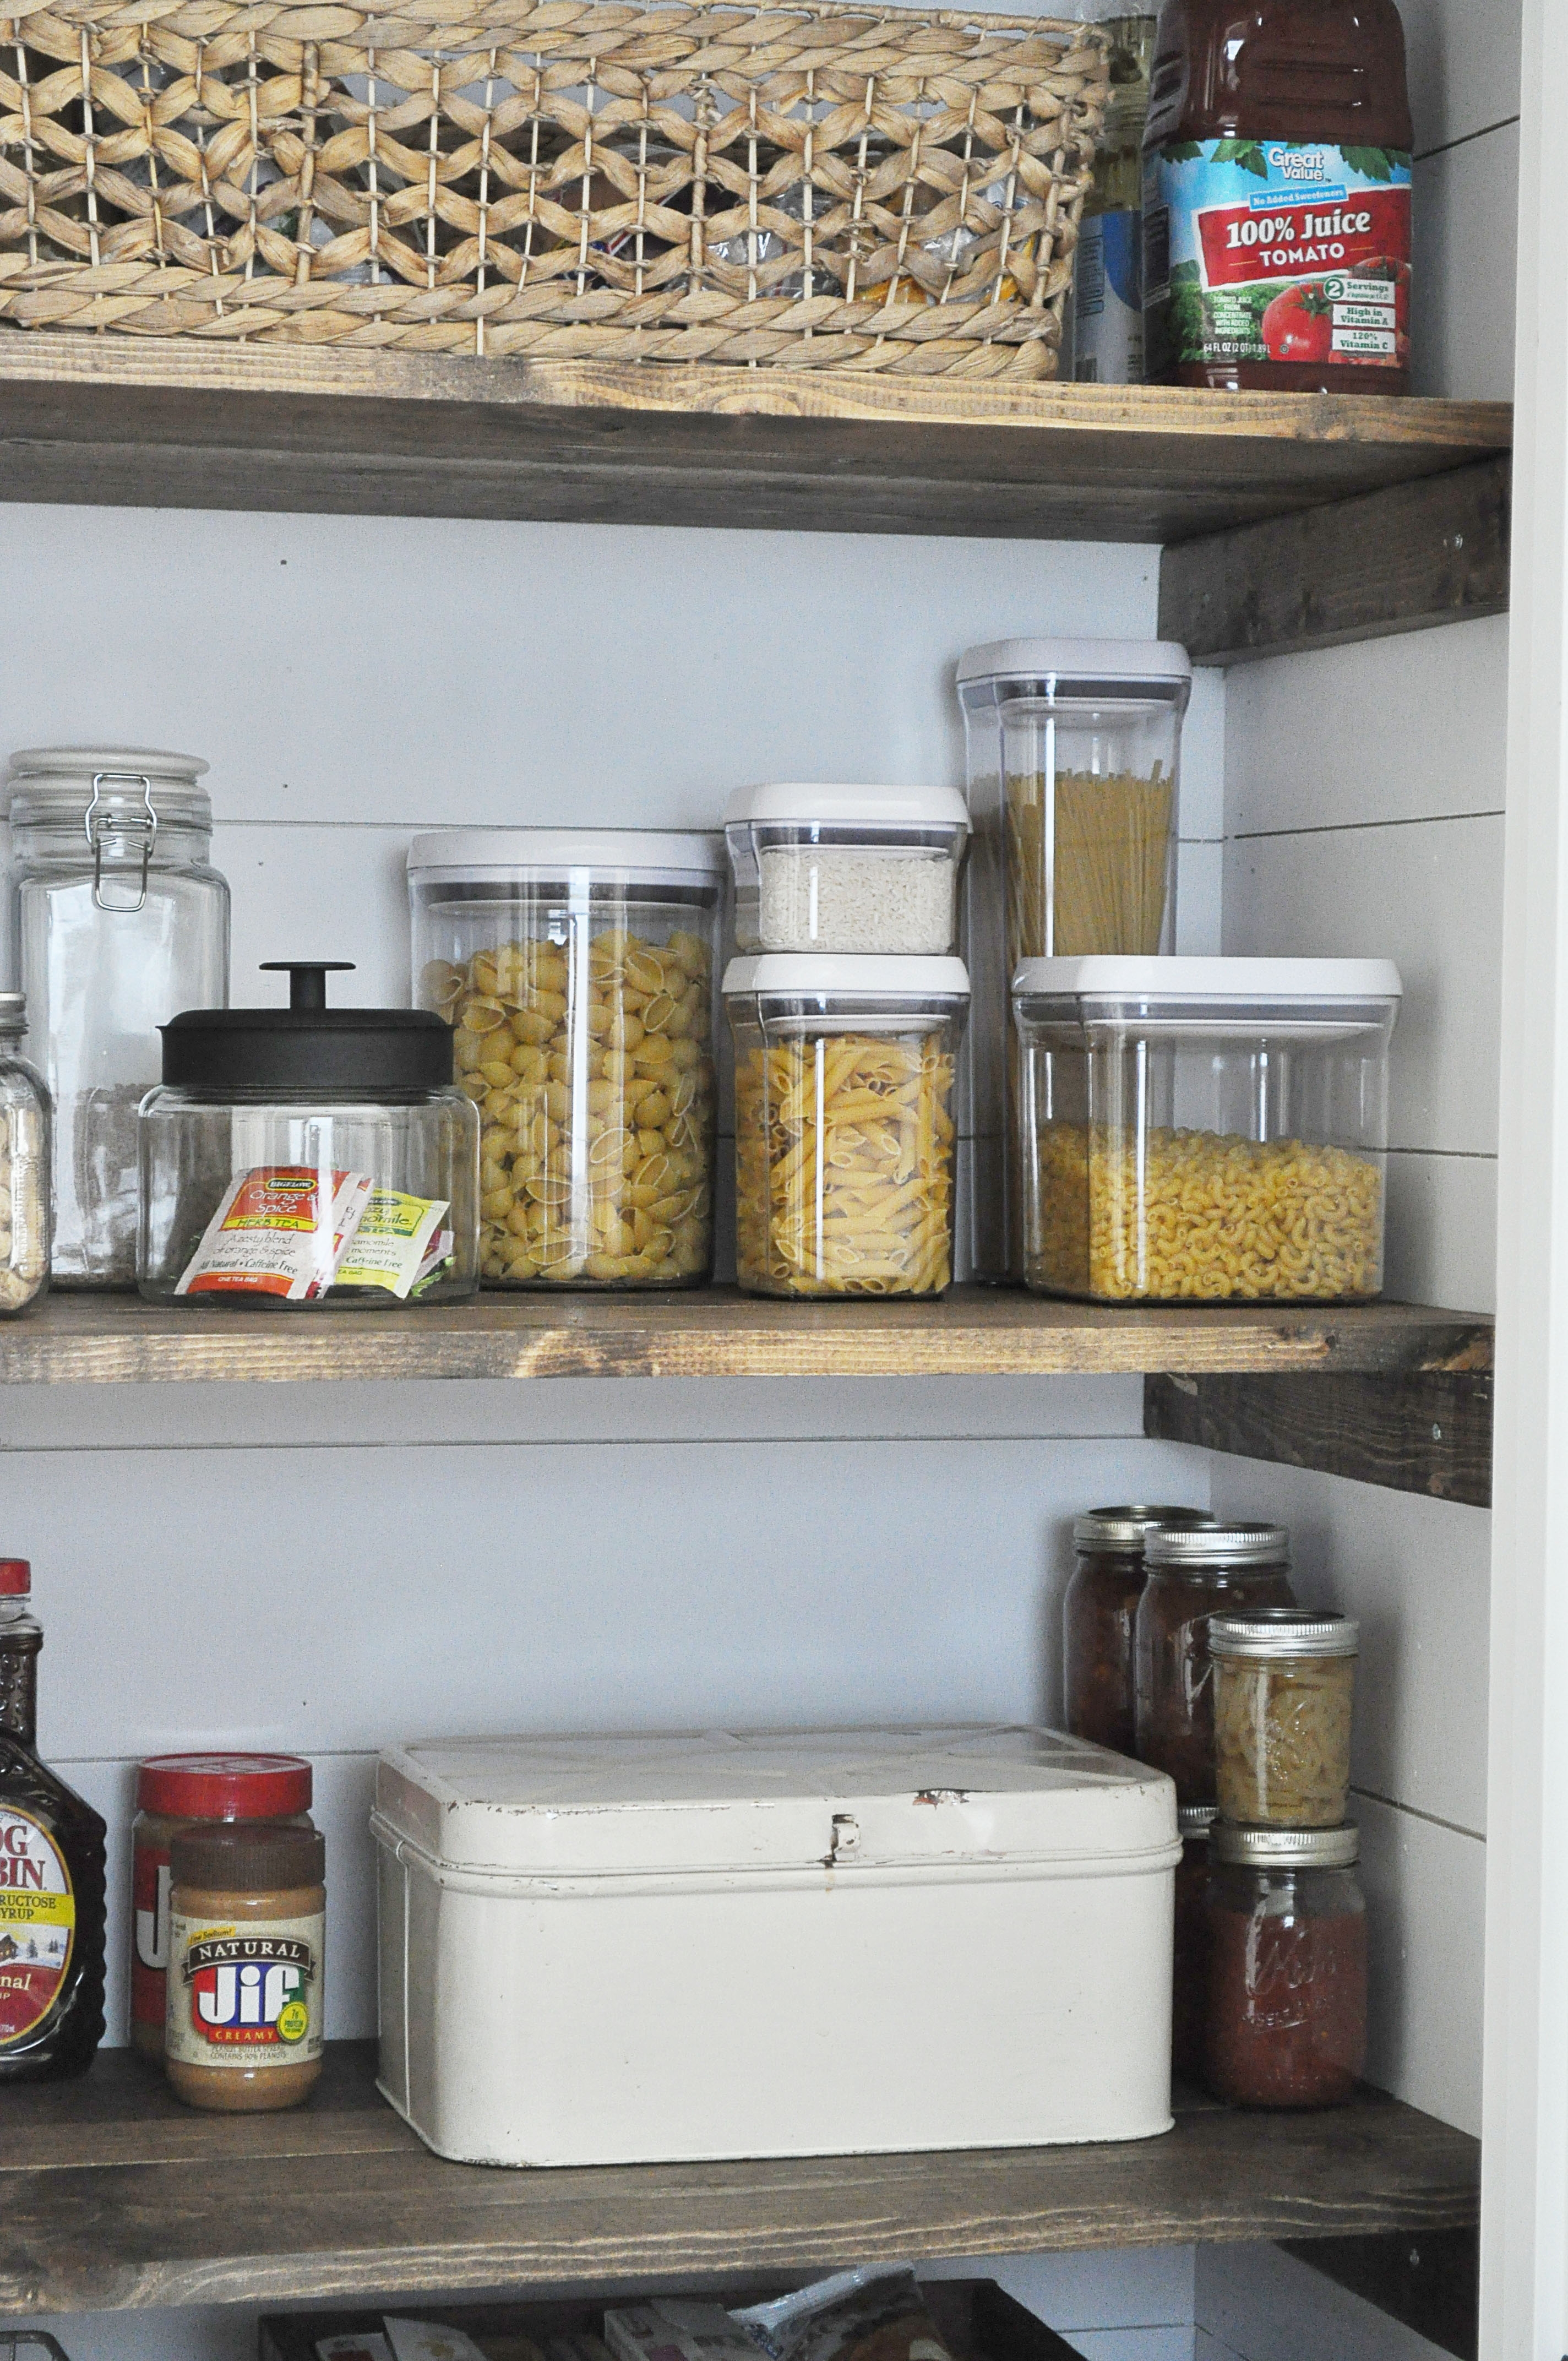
point(797, 187)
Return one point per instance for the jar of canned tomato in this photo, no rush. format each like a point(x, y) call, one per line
point(1098, 1613)
point(1214, 1570)
point(177, 1791)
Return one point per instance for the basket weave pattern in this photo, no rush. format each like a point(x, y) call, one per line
point(796, 187)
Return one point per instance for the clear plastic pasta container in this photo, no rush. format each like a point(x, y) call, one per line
point(576, 967)
point(866, 870)
point(1073, 751)
point(844, 1134)
point(1204, 1128)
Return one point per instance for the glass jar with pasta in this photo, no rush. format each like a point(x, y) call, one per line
point(1284, 1688)
point(845, 1148)
point(576, 967)
point(1204, 1130)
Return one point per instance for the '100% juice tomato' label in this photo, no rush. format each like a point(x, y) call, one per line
point(1278, 250)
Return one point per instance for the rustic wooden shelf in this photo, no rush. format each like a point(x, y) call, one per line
point(164, 421)
point(112, 2194)
point(718, 1332)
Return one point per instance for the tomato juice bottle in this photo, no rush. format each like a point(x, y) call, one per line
point(1277, 197)
point(51, 1877)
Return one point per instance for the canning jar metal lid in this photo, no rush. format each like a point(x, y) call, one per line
point(842, 807)
point(1128, 660)
point(1209, 1545)
point(224, 1787)
point(887, 976)
point(1273, 1632)
point(496, 855)
point(1242, 983)
point(13, 1014)
point(1129, 1528)
point(1195, 1819)
point(307, 1049)
point(1285, 1847)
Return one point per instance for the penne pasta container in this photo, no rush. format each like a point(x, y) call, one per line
point(657, 1950)
point(1204, 1129)
point(845, 1152)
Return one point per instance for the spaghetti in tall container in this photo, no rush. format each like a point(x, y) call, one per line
point(1073, 754)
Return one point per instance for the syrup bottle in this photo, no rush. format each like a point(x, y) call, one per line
point(51, 1877)
point(1277, 197)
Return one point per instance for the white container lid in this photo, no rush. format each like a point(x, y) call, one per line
point(497, 854)
point(1076, 659)
point(887, 976)
point(1244, 981)
point(842, 807)
point(721, 1801)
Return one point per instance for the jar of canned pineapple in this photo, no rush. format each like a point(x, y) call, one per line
point(576, 967)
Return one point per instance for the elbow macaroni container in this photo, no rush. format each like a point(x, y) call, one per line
point(870, 870)
point(1284, 1689)
point(845, 1152)
point(1205, 1129)
point(576, 967)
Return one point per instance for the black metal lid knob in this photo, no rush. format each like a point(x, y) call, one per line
point(307, 977)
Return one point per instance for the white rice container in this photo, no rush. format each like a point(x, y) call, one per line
point(626, 1950)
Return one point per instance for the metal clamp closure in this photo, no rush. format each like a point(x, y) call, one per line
point(99, 831)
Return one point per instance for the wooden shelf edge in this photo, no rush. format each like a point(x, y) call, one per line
point(347, 2202)
point(1409, 1431)
point(192, 424)
point(1401, 559)
point(974, 1331)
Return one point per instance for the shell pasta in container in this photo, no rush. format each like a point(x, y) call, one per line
point(845, 1151)
point(1206, 1129)
point(576, 967)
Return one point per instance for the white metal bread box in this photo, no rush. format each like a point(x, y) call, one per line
point(608, 1951)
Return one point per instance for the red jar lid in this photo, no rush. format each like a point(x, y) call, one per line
point(224, 1787)
point(15, 1577)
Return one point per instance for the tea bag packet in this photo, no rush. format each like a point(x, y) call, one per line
point(277, 1232)
point(397, 1243)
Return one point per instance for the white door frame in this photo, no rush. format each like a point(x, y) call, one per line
point(1524, 2233)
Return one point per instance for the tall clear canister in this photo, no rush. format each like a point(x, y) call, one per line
point(1073, 751)
point(119, 921)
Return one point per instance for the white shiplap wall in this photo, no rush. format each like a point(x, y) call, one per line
point(1364, 814)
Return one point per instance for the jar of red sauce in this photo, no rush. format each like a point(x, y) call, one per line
point(174, 1791)
point(1189, 1980)
point(1211, 1570)
point(1286, 2009)
point(1097, 1618)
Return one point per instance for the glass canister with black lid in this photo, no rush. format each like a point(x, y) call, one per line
point(1213, 1570)
point(1287, 1998)
point(1097, 1612)
point(119, 920)
point(306, 1156)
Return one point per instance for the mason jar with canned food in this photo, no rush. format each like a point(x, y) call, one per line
point(1192, 1577)
point(576, 967)
point(1098, 1616)
point(1284, 1688)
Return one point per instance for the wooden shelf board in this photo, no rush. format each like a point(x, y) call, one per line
point(716, 1332)
point(111, 2194)
point(167, 422)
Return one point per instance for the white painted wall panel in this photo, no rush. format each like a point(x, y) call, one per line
point(1442, 1228)
point(1464, 240)
point(419, 673)
point(1403, 730)
point(1463, 57)
point(1428, 895)
point(1425, 1903)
